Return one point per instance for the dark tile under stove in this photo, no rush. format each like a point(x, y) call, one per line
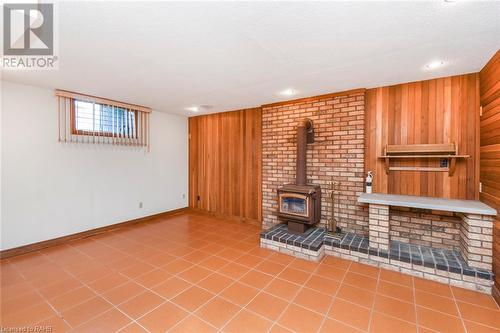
point(312, 239)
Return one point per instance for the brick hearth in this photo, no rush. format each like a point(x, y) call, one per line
point(438, 264)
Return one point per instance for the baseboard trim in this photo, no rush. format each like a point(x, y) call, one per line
point(224, 216)
point(496, 293)
point(9, 253)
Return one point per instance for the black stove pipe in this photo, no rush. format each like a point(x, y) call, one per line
point(303, 127)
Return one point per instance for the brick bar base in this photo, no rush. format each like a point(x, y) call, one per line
point(476, 240)
point(437, 229)
point(476, 235)
point(379, 226)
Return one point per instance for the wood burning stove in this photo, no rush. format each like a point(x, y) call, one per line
point(300, 203)
point(300, 206)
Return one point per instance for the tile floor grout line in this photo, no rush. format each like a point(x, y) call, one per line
point(334, 297)
point(129, 279)
point(169, 300)
point(416, 306)
point(459, 316)
point(221, 291)
point(372, 310)
point(385, 314)
point(458, 310)
point(113, 305)
point(275, 321)
point(427, 292)
point(193, 313)
point(44, 300)
point(454, 301)
point(302, 287)
point(279, 297)
point(414, 293)
point(260, 290)
point(199, 307)
point(373, 303)
point(94, 317)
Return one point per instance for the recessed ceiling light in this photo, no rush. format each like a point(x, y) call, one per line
point(193, 109)
point(199, 108)
point(435, 64)
point(288, 92)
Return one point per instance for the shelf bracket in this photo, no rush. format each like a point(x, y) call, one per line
point(452, 162)
point(386, 161)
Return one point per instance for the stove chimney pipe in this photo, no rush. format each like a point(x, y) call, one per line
point(304, 128)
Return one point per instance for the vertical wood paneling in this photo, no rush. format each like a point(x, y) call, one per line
point(490, 152)
point(225, 154)
point(434, 111)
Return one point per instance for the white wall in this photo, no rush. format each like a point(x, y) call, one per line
point(50, 189)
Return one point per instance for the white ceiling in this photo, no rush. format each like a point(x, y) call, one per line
point(232, 55)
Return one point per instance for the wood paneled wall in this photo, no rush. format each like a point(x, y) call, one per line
point(490, 152)
point(225, 158)
point(441, 110)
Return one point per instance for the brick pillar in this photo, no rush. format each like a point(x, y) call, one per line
point(379, 226)
point(476, 240)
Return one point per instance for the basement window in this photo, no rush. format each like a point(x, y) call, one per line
point(99, 119)
point(89, 119)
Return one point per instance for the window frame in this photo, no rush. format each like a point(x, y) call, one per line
point(76, 131)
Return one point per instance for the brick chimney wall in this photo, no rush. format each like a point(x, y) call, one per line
point(337, 154)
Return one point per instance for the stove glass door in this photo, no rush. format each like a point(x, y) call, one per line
point(294, 204)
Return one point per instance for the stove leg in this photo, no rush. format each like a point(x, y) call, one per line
point(296, 227)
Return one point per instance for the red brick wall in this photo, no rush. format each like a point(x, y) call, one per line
point(425, 227)
point(336, 155)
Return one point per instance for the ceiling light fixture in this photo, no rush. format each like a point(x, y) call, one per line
point(435, 64)
point(199, 108)
point(288, 92)
point(193, 109)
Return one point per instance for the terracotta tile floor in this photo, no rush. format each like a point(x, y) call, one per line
point(193, 273)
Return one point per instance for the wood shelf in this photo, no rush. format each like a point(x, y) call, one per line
point(416, 168)
point(447, 151)
point(424, 156)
